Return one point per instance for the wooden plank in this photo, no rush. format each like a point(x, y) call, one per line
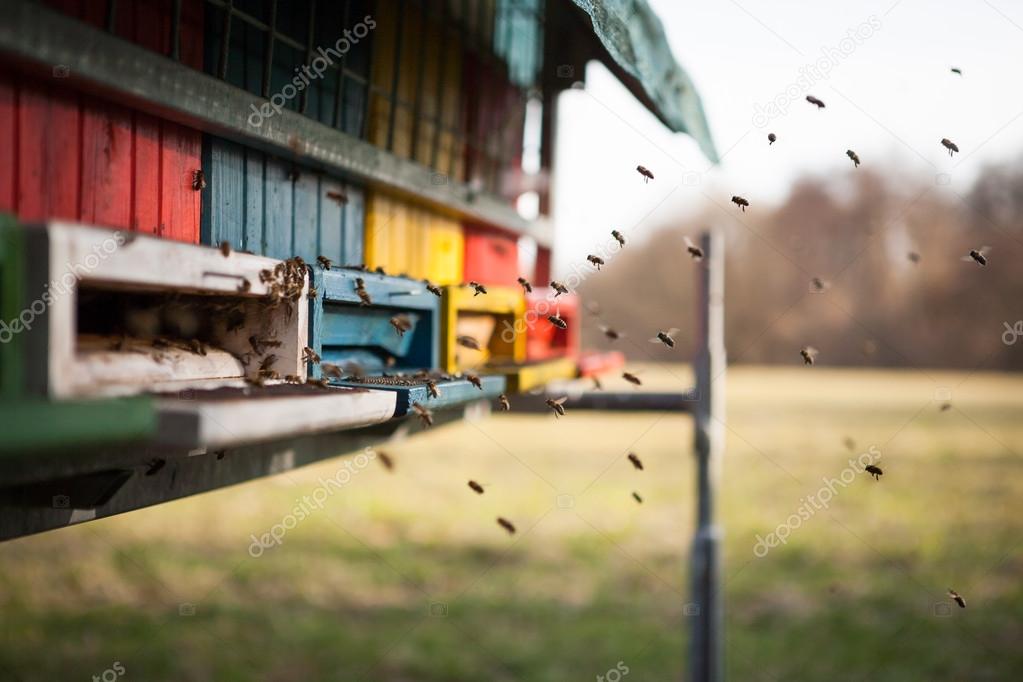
point(179, 203)
point(146, 175)
point(48, 157)
point(223, 208)
point(38, 426)
point(332, 222)
point(306, 216)
point(278, 210)
point(8, 141)
point(254, 209)
point(107, 150)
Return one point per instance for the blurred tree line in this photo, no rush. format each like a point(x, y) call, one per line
point(855, 233)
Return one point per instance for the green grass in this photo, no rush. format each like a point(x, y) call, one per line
point(405, 576)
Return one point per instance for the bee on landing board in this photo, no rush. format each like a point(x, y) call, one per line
point(324, 262)
point(666, 337)
point(695, 251)
point(321, 383)
point(559, 288)
point(949, 145)
point(331, 370)
point(424, 414)
point(478, 288)
point(632, 378)
point(474, 380)
point(557, 321)
point(740, 202)
point(645, 172)
point(855, 158)
point(401, 323)
point(476, 487)
point(771, 139)
point(875, 471)
point(432, 288)
point(526, 286)
point(957, 598)
point(814, 101)
point(619, 237)
point(558, 405)
point(431, 388)
point(506, 524)
point(597, 261)
point(809, 354)
point(505, 403)
point(360, 290)
point(225, 249)
point(634, 458)
point(467, 342)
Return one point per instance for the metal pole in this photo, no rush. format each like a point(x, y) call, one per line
point(706, 610)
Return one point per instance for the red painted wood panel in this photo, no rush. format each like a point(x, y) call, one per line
point(146, 175)
point(491, 256)
point(8, 141)
point(49, 154)
point(179, 203)
point(106, 164)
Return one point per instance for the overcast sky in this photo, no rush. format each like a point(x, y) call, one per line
point(891, 98)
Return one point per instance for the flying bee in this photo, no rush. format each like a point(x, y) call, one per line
point(957, 598)
point(945, 407)
point(612, 334)
point(695, 251)
point(771, 139)
point(559, 288)
point(957, 70)
point(506, 524)
point(468, 342)
point(474, 380)
point(849, 443)
point(340, 197)
point(978, 255)
point(309, 355)
point(596, 383)
point(645, 172)
point(597, 261)
point(267, 362)
point(425, 415)
point(913, 257)
point(951, 146)
point(636, 497)
point(526, 286)
point(634, 458)
point(324, 262)
point(401, 323)
point(632, 378)
point(740, 202)
point(360, 290)
point(818, 285)
point(557, 321)
point(875, 471)
point(809, 354)
point(198, 179)
point(476, 487)
point(619, 237)
point(814, 101)
point(505, 403)
point(225, 249)
point(321, 383)
point(855, 158)
point(331, 370)
point(667, 338)
point(432, 288)
point(558, 405)
point(385, 459)
point(478, 288)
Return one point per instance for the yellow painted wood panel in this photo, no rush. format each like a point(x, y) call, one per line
point(410, 240)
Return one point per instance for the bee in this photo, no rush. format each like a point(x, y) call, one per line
point(269, 374)
point(292, 378)
point(324, 262)
point(849, 443)
point(425, 415)
point(198, 179)
point(636, 497)
point(855, 157)
point(913, 257)
point(667, 338)
point(321, 383)
point(505, 403)
point(949, 145)
point(267, 362)
point(401, 324)
point(557, 321)
point(645, 172)
point(632, 378)
point(957, 598)
point(385, 459)
point(816, 102)
point(819, 285)
point(695, 251)
point(431, 388)
point(478, 288)
point(558, 405)
point(360, 289)
point(597, 261)
point(474, 380)
point(339, 197)
point(266, 276)
point(809, 354)
point(875, 471)
point(476, 487)
point(506, 524)
point(771, 139)
point(956, 70)
point(559, 288)
point(468, 342)
point(978, 255)
point(432, 288)
point(610, 333)
point(945, 407)
point(596, 384)
point(331, 370)
point(740, 202)
point(526, 286)
point(380, 270)
point(619, 237)
point(225, 249)
point(245, 286)
point(312, 293)
point(634, 458)
point(309, 355)
point(196, 346)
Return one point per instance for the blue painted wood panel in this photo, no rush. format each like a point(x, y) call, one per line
point(452, 393)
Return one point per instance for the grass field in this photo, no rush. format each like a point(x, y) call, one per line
point(405, 576)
